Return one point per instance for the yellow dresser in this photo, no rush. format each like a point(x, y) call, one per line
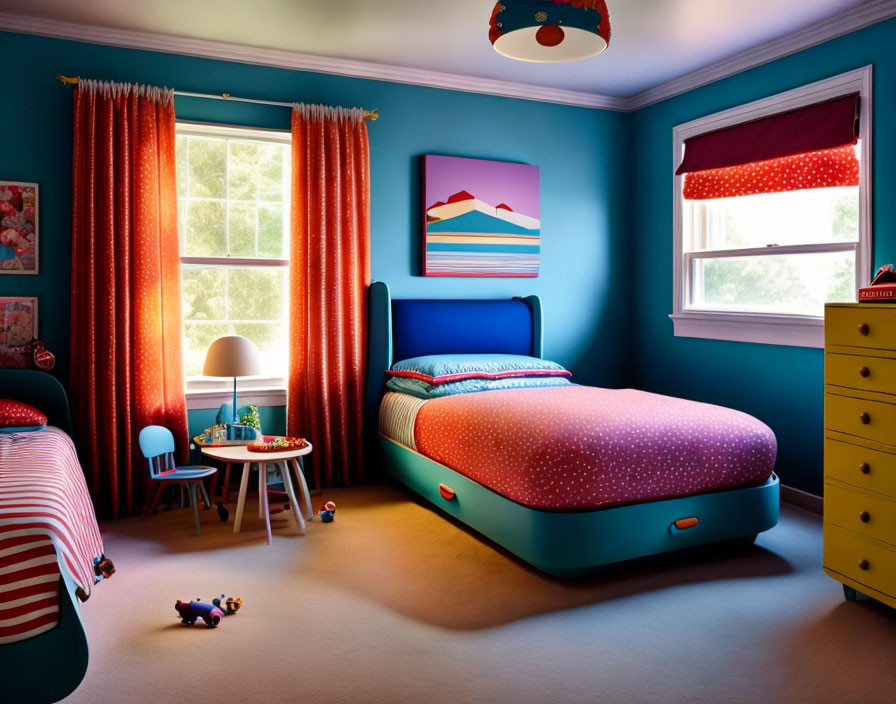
point(860, 448)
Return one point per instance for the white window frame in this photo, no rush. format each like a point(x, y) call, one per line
point(770, 328)
point(205, 392)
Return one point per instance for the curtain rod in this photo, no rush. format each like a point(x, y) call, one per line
point(372, 115)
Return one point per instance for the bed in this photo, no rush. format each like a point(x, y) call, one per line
point(473, 470)
point(51, 551)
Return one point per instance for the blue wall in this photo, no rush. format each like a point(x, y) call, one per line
point(783, 386)
point(606, 208)
point(583, 155)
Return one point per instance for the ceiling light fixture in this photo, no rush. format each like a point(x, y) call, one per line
point(548, 31)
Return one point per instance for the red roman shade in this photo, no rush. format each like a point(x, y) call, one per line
point(811, 147)
point(821, 126)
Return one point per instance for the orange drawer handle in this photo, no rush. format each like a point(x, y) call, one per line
point(447, 492)
point(685, 523)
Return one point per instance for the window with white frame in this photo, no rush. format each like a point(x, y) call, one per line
point(233, 220)
point(759, 266)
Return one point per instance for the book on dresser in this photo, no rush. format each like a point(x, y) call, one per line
point(860, 448)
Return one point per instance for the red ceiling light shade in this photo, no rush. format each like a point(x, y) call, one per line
point(549, 31)
point(826, 168)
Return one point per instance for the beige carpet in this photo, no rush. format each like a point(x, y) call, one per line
point(394, 603)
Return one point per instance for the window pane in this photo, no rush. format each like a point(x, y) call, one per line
point(180, 151)
point(207, 158)
point(242, 173)
point(257, 294)
point(271, 182)
point(197, 338)
point(203, 293)
point(798, 284)
point(242, 229)
point(811, 216)
point(206, 234)
point(270, 231)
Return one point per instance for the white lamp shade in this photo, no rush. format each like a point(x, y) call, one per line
point(232, 355)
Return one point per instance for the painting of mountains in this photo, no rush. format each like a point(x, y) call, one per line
point(481, 218)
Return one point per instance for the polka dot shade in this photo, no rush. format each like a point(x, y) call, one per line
point(826, 168)
point(549, 31)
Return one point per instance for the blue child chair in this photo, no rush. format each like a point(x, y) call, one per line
point(157, 446)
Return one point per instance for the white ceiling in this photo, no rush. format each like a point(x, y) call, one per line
point(653, 41)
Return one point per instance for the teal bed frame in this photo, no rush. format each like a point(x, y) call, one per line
point(50, 666)
point(565, 544)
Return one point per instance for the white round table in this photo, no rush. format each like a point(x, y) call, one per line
point(301, 507)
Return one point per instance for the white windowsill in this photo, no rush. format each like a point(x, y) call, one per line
point(207, 393)
point(767, 329)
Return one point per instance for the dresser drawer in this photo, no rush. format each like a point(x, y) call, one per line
point(860, 466)
point(860, 326)
point(860, 512)
point(861, 372)
point(860, 417)
point(860, 559)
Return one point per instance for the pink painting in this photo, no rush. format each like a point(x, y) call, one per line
point(18, 228)
point(18, 329)
point(481, 217)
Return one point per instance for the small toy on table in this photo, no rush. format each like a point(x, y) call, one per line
point(327, 512)
point(190, 611)
point(228, 605)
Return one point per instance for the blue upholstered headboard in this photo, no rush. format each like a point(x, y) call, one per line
point(405, 328)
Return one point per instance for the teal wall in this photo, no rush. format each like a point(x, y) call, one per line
point(782, 386)
point(605, 197)
point(583, 156)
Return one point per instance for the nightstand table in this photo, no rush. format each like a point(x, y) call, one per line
point(301, 505)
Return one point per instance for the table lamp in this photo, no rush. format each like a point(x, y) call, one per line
point(232, 355)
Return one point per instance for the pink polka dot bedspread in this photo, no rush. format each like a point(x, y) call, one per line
point(574, 448)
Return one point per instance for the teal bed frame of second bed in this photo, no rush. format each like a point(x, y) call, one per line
point(560, 543)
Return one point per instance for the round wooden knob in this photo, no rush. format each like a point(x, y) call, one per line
point(865, 418)
point(865, 468)
point(865, 372)
point(864, 329)
point(864, 565)
point(864, 517)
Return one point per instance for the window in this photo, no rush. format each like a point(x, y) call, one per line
point(233, 220)
point(759, 267)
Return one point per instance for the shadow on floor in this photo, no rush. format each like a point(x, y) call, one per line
point(429, 567)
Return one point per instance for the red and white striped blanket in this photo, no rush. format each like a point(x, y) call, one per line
point(46, 516)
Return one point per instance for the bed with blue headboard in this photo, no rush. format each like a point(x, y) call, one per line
point(50, 665)
point(564, 543)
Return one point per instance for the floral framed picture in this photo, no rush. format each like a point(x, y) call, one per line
point(18, 227)
point(18, 329)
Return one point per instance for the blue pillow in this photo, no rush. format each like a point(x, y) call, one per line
point(440, 369)
point(421, 389)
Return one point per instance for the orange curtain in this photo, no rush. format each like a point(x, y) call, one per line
point(126, 364)
point(329, 275)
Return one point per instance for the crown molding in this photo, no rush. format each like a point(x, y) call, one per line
point(830, 28)
point(279, 58)
point(838, 25)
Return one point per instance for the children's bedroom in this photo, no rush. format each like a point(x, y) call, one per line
point(529, 351)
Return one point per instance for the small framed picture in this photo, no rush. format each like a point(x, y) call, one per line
point(18, 329)
point(18, 227)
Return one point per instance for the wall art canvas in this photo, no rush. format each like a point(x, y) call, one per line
point(18, 329)
point(481, 217)
point(18, 227)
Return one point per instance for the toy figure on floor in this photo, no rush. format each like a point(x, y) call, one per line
point(189, 612)
point(327, 512)
point(228, 605)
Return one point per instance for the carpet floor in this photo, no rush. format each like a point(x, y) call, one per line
point(392, 602)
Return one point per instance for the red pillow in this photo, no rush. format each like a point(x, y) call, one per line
point(15, 414)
